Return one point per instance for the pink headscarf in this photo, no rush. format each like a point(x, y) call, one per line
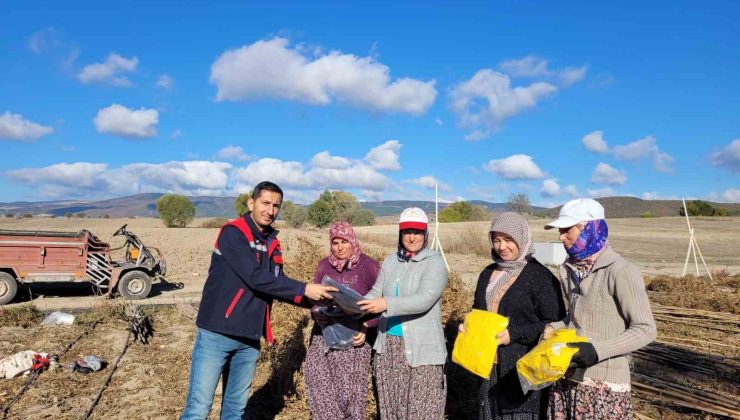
point(344, 231)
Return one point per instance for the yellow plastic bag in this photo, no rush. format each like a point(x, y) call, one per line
point(548, 360)
point(475, 349)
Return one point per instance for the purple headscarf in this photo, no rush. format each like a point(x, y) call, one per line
point(593, 239)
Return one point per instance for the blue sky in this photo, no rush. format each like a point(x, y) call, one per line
point(553, 99)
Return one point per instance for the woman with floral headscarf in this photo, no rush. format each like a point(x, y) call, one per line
point(518, 287)
point(336, 380)
point(607, 303)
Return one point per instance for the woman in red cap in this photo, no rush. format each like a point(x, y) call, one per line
point(410, 348)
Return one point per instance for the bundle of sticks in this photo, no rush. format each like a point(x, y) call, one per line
point(691, 360)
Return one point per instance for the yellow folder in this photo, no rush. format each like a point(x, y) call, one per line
point(475, 349)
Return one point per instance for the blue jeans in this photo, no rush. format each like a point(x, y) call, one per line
point(214, 354)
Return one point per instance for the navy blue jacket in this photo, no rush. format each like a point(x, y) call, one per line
point(242, 282)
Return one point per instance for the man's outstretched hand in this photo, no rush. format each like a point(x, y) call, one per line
point(318, 291)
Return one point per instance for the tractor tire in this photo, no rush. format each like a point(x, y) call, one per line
point(8, 288)
point(135, 285)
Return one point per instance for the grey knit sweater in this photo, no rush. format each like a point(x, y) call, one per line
point(613, 311)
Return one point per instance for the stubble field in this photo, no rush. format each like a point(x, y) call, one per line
point(151, 380)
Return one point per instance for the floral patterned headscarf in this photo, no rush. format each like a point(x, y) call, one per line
point(344, 231)
point(592, 240)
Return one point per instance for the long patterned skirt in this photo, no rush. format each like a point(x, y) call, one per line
point(336, 381)
point(406, 393)
point(574, 400)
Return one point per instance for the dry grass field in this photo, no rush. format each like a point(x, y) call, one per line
point(151, 380)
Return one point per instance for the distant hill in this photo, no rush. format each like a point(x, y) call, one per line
point(617, 207)
point(144, 205)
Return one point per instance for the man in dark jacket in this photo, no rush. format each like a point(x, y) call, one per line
point(246, 273)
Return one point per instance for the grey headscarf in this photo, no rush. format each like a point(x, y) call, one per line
point(516, 226)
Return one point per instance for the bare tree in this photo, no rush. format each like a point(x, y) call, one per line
point(519, 203)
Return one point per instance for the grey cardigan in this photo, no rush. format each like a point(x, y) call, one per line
point(421, 282)
point(613, 311)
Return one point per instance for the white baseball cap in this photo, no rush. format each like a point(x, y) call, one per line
point(413, 218)
point(576, 211)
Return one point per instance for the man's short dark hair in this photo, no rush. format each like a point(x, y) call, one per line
point(266, 186)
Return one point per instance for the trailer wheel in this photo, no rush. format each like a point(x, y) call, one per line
point(8, 288)
point(135, 285)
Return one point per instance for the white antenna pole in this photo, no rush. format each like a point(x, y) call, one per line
point(693, 247)
point(436, 244)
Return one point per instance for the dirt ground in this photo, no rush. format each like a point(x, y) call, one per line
point(151, 380)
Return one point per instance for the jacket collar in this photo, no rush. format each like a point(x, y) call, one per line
point(607, 258)
point(270, 232)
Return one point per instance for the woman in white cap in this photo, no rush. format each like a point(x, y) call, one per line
point(518, 287)
point(607, 303)
point(410, 347)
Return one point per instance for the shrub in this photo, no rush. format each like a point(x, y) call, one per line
point(702, 208)
point(294, 214)
point(320, 213)
point(80, 215)
point(175, 210)
point(28, 216)
point(519, 203)
point(647, 215)
point(240, 204)
point(339, 206)
point(68, 215)
point(214, 223)
point(362, 217)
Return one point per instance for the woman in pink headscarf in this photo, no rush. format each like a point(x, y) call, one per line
point(336, 380)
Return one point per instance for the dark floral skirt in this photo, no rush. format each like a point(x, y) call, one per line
point(574, 400)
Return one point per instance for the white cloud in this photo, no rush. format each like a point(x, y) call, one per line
point(15, 127)
point(731, 195)
point(571, 75)
point(571, 191)
point(119, 120)
point(728, 157)
point(68, 174)
point(485, 101)
point(488, 193)
point(550, 188)
point(326, 160)
point(429, 181)
point(188, 177)
point(83, 179)
point(532, 66)
point(44, 40)
point(385, 157)
point(654, 195)
point(608, 175)
point(515, 167)
point(294, 175)
point(594, 142)
point(165, 81)
point(528, 66)
point(109, 71)
point(645, 148)
point(175, 134)
point(271, 69)
point(232, 153)
point(601, 192)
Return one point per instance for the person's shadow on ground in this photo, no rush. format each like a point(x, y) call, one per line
point(286, 359)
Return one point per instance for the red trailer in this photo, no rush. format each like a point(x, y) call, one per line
point(37, 256)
